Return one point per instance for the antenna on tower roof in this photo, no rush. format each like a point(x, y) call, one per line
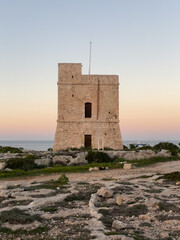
point(90, 58)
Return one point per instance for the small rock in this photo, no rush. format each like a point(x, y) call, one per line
point(118, 199)
point(127, 166)
point(118, 225)
point(177, 183)
point(103, 192)
point(107, 168)
point(8, 169)
point(96, 168)
point(164, 235)
point(2, 166)
point(91, 169)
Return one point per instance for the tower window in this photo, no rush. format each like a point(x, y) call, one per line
point(88, 110)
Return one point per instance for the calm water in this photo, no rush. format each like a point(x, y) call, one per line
point(44, 145)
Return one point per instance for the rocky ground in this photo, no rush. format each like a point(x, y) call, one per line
point(111, 204)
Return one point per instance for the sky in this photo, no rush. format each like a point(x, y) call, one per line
point(139, 40)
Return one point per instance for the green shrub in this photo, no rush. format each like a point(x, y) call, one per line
point(132, 146)
point(174, 149)
point(63, 179)
point(173, 176)
point(50, 149)
point(26, 163)
point(17, 216)
point(146, 147)
point(98, 157)
point(125, 147)
point(10, 149)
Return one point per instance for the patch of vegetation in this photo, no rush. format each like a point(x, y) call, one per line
point(107, 221)
point(16, 203)
point(62, 180)
point(109, 179)
point(51, 184)
point(174, 176)
point(111, 233)
point(57, 169)
point(99, 157)
point(136, 210)
point(25, 164)
point(50, 149)
point(146, 176)
point(125, 148)
point(145, 224)
point(123, 189)
point(82, 183)
point(104, 212)
point(77, 197)
point(162, 217)
point(153, 190)
point(152, 160)
point(82, 149)
point(168, 206)
point(50, 209)
point(172, 148)
point(37, 230)
point(10, 149)
point(17, 216)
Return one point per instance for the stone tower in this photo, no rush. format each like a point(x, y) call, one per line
point(88, 109)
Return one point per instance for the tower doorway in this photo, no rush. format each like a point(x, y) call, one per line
point(87, 141)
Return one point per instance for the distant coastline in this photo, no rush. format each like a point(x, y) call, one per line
point(43, 145)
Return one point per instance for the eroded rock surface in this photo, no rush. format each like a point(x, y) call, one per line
point(139, 206)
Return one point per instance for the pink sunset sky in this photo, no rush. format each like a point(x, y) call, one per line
point(137, 40)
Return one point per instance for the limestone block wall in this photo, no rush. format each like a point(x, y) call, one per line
point(74, 90)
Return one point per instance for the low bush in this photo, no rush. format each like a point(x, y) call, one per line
point(174, 149)
point(63, 179)
point(173, 176)
point(50, 149)
point(17, 216)
point(10, 149)
point(97, 157)
point(26, 163)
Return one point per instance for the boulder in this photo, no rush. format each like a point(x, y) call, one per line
point(2, 166)
point(43, 161)
point(104, 192)
point(118, 225)
point(164, 153)
point(127, 166)
point(80, 159)
point(62, 160)
point(71, 159)
point(119, 199)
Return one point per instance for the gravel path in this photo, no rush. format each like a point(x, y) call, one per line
point(159, 168)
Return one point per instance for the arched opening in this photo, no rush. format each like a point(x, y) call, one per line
point(88, 110)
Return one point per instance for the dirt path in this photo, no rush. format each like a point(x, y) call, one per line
point(159, 168)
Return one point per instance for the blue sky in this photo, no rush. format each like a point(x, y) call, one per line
point(136, 39)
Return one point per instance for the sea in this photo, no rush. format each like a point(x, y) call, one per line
point(44, 145)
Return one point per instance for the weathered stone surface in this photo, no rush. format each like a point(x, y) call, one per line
point(118, 225)
point(2, 166)
point(15, 227)
point(73, 159)
point(43, 161)
point(132, 155)
point(119, 199)
point(127, 166)
point(104, 192)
